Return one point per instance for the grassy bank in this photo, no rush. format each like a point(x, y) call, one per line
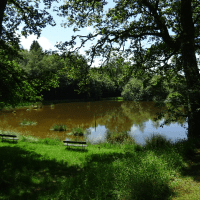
point(35, 168)
point(51, 102)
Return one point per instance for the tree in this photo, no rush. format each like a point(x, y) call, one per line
point(13, 83)
point(42, 69)
point(76, 68)
point(116, 68)
point(35, 46)
point(156, 18)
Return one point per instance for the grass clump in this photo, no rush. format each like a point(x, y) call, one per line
point(156, 142)
point(26, 122)
point(59, 127)
point(52, 106)
point(77, 132)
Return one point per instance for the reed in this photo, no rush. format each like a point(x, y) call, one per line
point(59, 127)
point(25, 122)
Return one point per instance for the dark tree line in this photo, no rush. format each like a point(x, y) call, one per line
point(104, 82)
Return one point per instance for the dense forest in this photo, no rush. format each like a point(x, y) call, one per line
point(106, 81)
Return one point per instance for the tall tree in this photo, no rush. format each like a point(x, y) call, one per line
point(116, 67)
point(13, 82)
point(35, 46)
point(155, 18)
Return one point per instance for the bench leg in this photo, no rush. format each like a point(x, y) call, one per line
point(82, 147)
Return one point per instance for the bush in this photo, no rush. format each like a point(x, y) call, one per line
point(133, 90)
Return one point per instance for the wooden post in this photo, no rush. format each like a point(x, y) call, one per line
point(95, 119)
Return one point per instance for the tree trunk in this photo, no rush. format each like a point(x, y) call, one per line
point(3, 4)
point(190, 69)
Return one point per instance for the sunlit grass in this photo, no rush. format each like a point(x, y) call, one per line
point(39, 168)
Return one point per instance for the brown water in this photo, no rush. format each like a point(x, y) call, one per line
point(134, 117)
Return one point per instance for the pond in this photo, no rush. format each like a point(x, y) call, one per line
point(96, 117)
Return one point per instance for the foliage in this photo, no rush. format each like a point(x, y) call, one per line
point(59, 127)
point(132, 91)
point(117, 26)
point(41, 70)
point(115, 68)
point(75, 69)
point(88, 81)
point(40, 66)
point(35, 46)
point(17, 11)
point(78, 131)
point(13, 81)
point(101, 85)
point(14, 86)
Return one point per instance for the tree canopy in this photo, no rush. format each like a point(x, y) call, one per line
point(155, 18)
point(35, 46)
point(14, 85)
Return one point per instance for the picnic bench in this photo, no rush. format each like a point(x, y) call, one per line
point(8, 137)
point(75, 144)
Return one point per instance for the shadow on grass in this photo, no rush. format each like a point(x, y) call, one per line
point(191, 155)
point(76, 149)
point(25, 176)
point(9, 141)
point(193, 170)
point(28, 175)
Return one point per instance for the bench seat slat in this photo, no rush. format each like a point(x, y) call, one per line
point(76, 145)
point(74, 142)
point(6, 135)
point(10, 138)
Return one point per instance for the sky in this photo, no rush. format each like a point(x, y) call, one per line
point(52, 34)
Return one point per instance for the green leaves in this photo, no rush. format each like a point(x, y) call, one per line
point(114, 18)
point(17, 83)
point(35, 46)
point(27, 75)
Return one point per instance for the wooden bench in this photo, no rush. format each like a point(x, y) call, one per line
point(8, 137)
point(73, 143)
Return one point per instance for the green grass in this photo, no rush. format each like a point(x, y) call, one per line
point(77, 131)
point(62, 127)
point(26, 122)
point(35, 168)
point(59, 127)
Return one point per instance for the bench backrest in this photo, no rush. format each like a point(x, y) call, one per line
point(8, 135)
point(74, 142)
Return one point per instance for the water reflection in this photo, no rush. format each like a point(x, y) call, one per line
point(172, 132)
point(96, 118)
